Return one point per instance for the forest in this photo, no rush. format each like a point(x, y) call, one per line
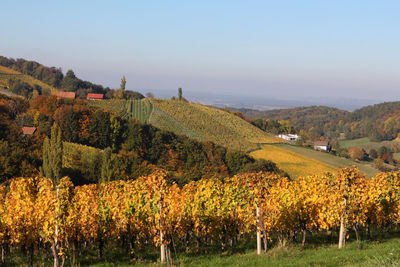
point(137, 149)
point(378, 122)
point(54, 77)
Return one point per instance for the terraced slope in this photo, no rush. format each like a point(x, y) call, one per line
point(206, 123)
point(7, 74)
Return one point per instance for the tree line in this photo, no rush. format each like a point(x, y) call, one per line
point(54, 77)
point(378, 122)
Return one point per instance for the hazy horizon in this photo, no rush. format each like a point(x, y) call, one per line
point(273, 50)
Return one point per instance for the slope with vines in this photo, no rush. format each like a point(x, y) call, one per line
point(7, 74)
point(212, 124)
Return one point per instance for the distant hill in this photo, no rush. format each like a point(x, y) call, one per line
point(35, 73)
point(8, 77)
point(378, 122)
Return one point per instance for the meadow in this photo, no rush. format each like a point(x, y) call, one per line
point(367, 144)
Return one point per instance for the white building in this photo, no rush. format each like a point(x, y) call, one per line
point(289, 137)
point(321, 145)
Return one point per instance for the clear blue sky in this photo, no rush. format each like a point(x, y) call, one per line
point(267, 48)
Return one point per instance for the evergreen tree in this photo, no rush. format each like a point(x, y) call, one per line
point(52, 155)
point(106, 167)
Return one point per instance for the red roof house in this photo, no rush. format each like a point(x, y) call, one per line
point(92, 96)
point(70, 95)
point(28, 130)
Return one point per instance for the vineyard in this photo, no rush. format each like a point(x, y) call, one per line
point(138, 109)
point(327, 158)
point(293, 163)
point(38, 215)
point(7, 74)
point(210, 124)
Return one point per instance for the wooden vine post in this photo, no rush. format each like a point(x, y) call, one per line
point(258, 231)
point(162, 247)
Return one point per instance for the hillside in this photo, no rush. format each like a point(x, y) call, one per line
point(378, 122)
point(8, 75)
point(206, 123)
point(135, 108)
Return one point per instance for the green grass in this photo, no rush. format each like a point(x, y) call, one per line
point(366, 143)
point(375, 253)
point(366, 168)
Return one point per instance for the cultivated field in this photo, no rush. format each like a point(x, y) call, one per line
point(293, 163)
point(338, 162)
point(206, 123)
point(139, 109)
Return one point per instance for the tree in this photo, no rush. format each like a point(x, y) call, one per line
point(123, 83)
point(150, 95)
point(373, 153)
point(52, 155)
point(106, 168)
point(70, 82)
point(121, 91)
point(180, 93)
point(357, 153)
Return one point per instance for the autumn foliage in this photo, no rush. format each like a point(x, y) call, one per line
point(204, 211)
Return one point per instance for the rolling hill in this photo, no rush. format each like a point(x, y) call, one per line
point(7, 74)
point(206, 123)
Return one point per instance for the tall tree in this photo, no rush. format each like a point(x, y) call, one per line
point(180, 93)
point(70, 82)
point(52, 155)
point(106, 168)
point(121, 91)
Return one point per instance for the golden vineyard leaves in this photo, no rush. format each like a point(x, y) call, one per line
point(208, 209)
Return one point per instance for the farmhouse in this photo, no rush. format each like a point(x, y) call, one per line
point(321, 145)
point(92, 96)
point(70, 95)
point(289, 137)
point(28, 130)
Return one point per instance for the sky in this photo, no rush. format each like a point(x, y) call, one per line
point(281, 49)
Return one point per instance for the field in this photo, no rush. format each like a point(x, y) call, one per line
point(139, 109)
point(327, 158)
point(293, 163)
point(6, 74)
point(206, 123)
point(366, 143)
